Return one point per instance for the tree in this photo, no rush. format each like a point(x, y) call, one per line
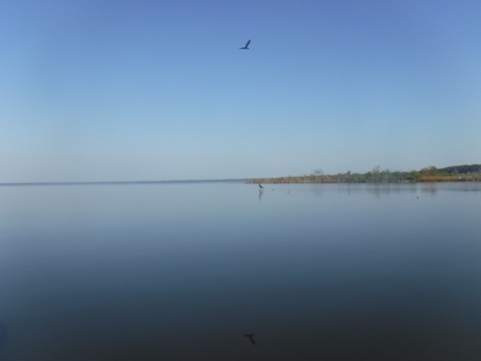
point(431, 170)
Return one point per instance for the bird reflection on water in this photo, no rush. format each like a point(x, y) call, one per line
point(261, 193)
point(250, 336)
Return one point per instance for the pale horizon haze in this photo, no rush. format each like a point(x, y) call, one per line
point(158, 90)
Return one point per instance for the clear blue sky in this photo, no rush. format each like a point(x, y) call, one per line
point(144, 90)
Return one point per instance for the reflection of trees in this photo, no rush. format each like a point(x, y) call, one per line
point(385, 189)
point(377, 189)
point(429, 188)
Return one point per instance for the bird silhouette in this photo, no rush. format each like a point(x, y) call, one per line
point(246, 47)
point(251, 337)
point(261, 187)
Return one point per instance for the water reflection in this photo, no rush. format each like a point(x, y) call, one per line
point(3, 336)
point(380, 189)
point(178, 272)
point(261, 193)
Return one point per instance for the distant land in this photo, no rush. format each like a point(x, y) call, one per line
point(458, 173)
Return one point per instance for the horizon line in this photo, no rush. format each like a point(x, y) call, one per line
point(73, 183)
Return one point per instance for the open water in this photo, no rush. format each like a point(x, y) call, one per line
point(183, 271)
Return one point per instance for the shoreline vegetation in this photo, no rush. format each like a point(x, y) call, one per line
point(460, 173)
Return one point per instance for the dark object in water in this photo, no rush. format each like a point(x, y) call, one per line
point(251, 337)
point(3, 335)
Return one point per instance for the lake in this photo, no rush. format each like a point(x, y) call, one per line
point(182, 271)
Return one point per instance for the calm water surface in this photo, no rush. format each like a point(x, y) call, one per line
point(183, 271)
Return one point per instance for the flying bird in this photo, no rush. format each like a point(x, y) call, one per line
point(251, 337)
point(246, 47)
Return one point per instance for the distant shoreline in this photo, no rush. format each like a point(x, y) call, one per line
point(462, 173)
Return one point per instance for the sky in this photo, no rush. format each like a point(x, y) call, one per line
point(104, 90)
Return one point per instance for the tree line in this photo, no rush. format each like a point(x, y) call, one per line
point(462, 173)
